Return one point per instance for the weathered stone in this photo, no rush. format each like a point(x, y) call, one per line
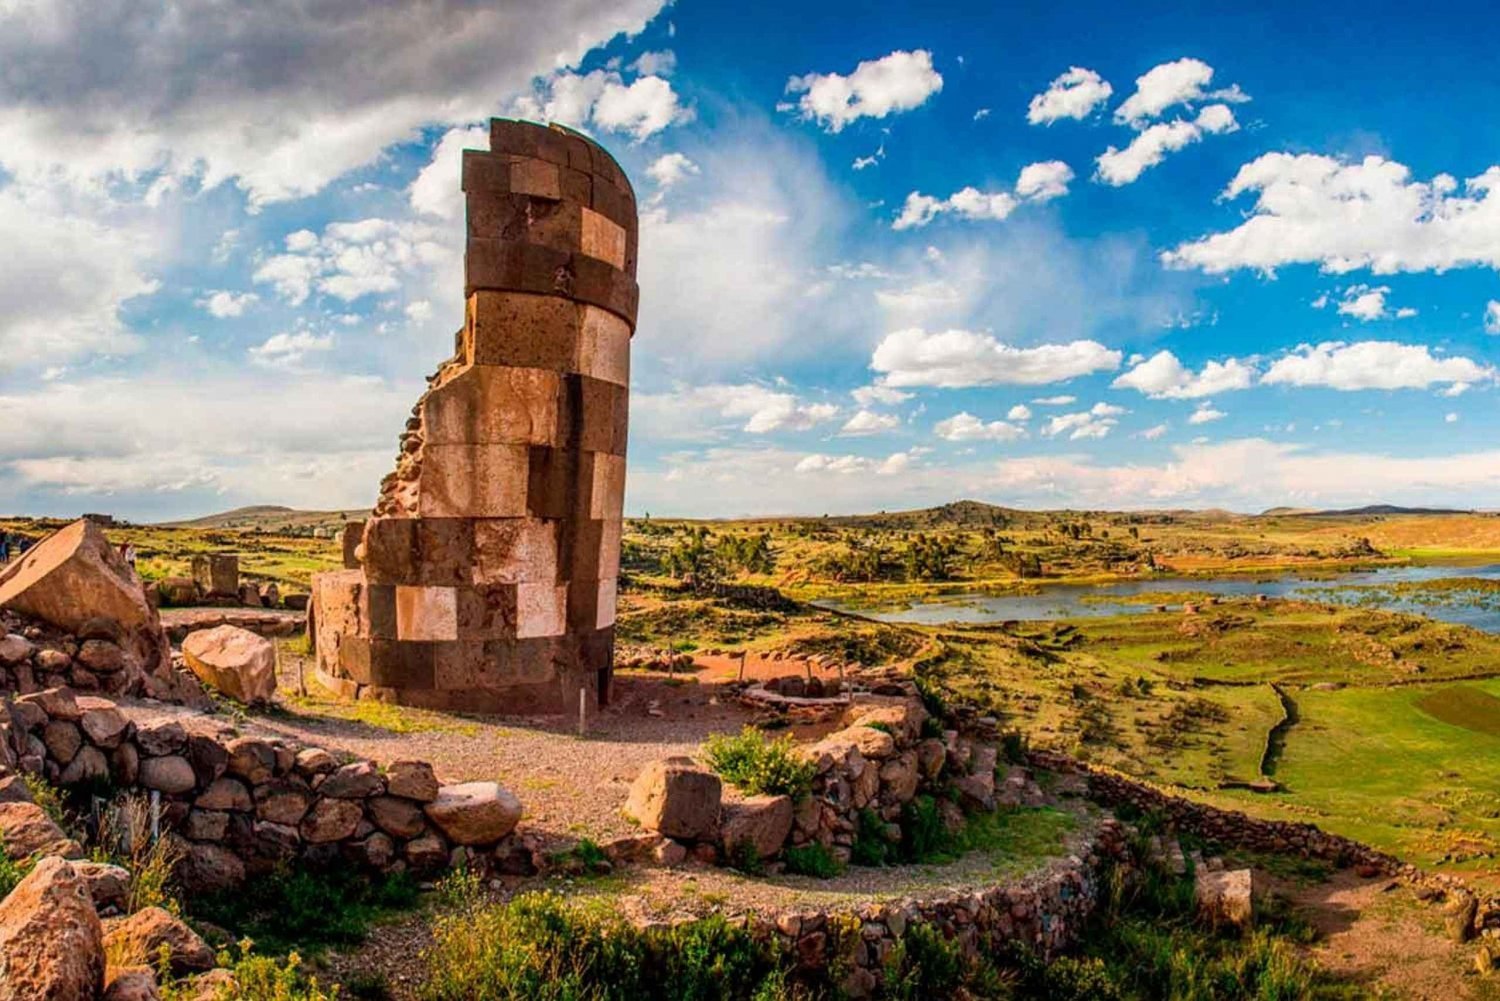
point(102, 723)
point(26, 830)
point(140, 938)
point(1225, 897)
point(899, 777)
point(57, 703)
point(89, 765)
point(217, 574)
point(283, 801)
point(13, 789)
point(315, 761)
point(108, 885)
point(1458, 917)
point(397, 816)
point(168, 737)
point(225, 794)
point(677, 797)
point(235, 661)
point(51, 942)
point(102, 656)
point(75, 575)
point(412, 780)
point(208, 868)
point(251, 759)
point(332, 820)
point(63, 740)
point(15, 649)
point(357, 780)
point(764, 822)
point(130, 983)
point(171, 774)
point(474, 813)
point(426, 853)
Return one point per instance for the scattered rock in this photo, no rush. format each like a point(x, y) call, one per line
point(677, 797)
point(51, 942)
point(412, 780)
point(1225, 897)
point(475, 813)
point(27, 830)
point(140, 937)
point(762, 821)
point(237, 662)
point(130, 983)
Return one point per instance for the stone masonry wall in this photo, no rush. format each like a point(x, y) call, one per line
point(1233, 829)
point(487, 578)
point(241, 805)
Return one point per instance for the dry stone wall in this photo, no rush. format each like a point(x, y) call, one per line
point(242, 804)
point(1233, 829)
point(487, 574)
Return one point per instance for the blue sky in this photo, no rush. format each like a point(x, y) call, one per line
point(1057, 255)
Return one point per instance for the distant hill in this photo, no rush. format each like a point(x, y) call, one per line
point(271, 518)
point(1366, 511)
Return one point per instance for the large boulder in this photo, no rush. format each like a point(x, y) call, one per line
point(762, 822)
point(73, 577)
point(51, 942)
point(475, 813)
point(139, 938)
point(237, 662)
point(1225, 896)
point(677, 797)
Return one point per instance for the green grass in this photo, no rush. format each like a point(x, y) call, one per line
point(304, 909)
point(1379, 766)
point(1466, 706)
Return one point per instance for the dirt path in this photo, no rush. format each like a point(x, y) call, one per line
point(1379, 934)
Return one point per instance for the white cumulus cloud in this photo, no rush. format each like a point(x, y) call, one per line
point(964, 426)
point(1373, 365)
point(1164, 377)
point(958, 358)
point(866, 422)
point(897, 82)
point(1038, 182)
point(1312, 209)
point(1183, 81)
point(1075, 94)
point(1150, 147)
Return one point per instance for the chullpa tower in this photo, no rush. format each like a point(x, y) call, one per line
point(485, 578)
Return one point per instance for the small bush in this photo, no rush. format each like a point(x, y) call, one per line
point(870, 846)
point(812, 859)
point(307, 908)
point(11, 871)
point(256, 978)
point(925, 837)
point(539, 947)
point(46, 796)
point(1014, 747)
point(745, 857)
point(757, 765)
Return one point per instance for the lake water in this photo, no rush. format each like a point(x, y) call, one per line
point(1067, 601)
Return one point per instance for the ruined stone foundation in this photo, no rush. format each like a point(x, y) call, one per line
point(485, 579)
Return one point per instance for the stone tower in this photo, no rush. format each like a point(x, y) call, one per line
point(485, 579)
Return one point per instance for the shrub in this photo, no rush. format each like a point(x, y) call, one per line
point(870, 846)
point(307, 908)
point(1014, 747)
point(757, 765)
point(11, 871)
point(812, 859)
point(539, 947)
point(45, 796)
point(925, 838)
point(256, 978)
point(745, 857)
